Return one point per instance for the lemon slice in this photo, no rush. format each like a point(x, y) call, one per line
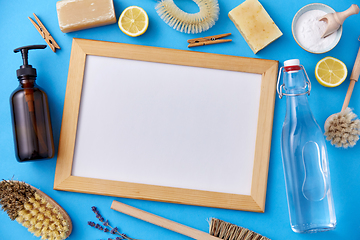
point(330, 72)
point(133, 21)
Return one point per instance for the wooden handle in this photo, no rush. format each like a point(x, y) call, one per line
point(162, 222)
point(356, 69)
point(341, 16)
point(353, 79)
point(348, 95)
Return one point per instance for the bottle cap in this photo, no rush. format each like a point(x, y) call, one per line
point(26, 69)
point(292, 65)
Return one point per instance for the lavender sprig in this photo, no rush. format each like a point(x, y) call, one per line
point(107, 227)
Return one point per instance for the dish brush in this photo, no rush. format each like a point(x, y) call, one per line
point(34, 210)
point(343, 129)
point(219, 229)
point(189, 22)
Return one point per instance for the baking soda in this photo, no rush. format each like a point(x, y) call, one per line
point(309, 29)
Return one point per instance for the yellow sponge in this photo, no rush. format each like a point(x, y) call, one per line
point(255, 24)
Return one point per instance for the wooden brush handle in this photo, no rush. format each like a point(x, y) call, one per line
point(356, 69)
point(353, 79)
point(162, 222)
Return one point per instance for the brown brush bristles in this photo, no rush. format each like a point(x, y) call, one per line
point(229, 231)
point(13, 196)
point(23, 204)
point(343, 129)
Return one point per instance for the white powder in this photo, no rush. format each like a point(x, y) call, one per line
point(309, 30)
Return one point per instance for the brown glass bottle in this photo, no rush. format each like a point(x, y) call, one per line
point(30, 115)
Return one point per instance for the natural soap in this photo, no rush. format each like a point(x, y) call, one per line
point(254, 24)
point(76, 15)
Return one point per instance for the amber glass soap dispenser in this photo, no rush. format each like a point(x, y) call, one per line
point(30, 114)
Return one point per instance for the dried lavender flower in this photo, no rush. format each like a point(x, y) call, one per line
point(91, 224)
point(114, 230)
point(106, 223)
point(98, 226)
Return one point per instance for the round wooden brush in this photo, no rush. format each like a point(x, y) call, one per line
point(34, 210)
point(189, 22)
point(343, 129)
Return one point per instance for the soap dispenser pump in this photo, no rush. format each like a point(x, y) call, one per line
point(33, 136)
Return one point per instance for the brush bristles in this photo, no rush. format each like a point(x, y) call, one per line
point(23, 203)
point(13, 196)
point(43, 219)
point(189, 22)
point(343, 129)
point(229, 231)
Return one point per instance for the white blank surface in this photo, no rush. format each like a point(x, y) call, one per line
point(167, 125)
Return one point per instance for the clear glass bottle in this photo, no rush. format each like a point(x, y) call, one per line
point(304, 154)
point(30, 114)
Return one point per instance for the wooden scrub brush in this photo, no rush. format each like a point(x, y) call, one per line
point(343, 129)
point(189, 22)
point(218, 229)
point(34, 210)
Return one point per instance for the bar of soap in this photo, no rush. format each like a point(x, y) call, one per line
point(74, 15)
point(254, 24)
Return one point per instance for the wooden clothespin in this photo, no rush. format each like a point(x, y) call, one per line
point(208, 40)
point(45, 33)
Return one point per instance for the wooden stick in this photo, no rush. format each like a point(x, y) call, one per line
point(162, 222)
point(353, 78)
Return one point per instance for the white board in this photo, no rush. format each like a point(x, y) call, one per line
point(167, 125)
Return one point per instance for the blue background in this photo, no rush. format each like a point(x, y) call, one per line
point(16, 31)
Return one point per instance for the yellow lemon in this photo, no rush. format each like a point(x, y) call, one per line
point(330, 72)
point(133, 21)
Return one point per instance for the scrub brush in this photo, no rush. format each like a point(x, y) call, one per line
point(34, 210)
point(189, 22)
point(343, 129)
point(219, 229)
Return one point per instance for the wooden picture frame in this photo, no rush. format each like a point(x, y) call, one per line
point(66, 181)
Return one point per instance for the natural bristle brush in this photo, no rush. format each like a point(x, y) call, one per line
point(218, 229)
point(343, 129)
point(34, 210)
point(189, 22)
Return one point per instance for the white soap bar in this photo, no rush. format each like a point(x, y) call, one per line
point(74, 15)
point(254, 24)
